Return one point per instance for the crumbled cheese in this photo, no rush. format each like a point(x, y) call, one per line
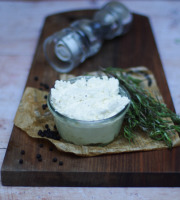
point(88, 100)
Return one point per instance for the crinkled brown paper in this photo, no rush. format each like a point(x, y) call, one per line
point(30, 117)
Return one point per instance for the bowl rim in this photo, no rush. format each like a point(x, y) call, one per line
point(51, 107)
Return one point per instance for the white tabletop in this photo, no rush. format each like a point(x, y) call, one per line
point(20, 27)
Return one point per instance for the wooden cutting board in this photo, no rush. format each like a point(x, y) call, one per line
point(153, 168)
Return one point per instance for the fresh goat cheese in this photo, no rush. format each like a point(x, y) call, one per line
point(89, 100)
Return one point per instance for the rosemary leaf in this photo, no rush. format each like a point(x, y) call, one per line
point(145, 112)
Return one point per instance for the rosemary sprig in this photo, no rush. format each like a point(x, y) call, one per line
point(145, 112)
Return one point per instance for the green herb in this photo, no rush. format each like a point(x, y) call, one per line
point(145, 112)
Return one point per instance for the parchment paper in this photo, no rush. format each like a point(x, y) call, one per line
point(31, 118)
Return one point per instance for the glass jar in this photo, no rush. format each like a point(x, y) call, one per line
point(81, 132)
point(66, 49)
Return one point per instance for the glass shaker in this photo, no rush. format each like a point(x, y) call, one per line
point(66, 49)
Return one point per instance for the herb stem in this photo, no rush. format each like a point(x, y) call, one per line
point(146, 112)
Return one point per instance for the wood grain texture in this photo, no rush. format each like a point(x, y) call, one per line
point(155, 168)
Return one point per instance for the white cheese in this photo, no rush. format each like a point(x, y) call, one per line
point(88, 100)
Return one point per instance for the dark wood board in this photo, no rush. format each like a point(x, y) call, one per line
point(153, 168)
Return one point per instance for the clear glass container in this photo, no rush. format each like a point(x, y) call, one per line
point(66, 49)
point(81, 132)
